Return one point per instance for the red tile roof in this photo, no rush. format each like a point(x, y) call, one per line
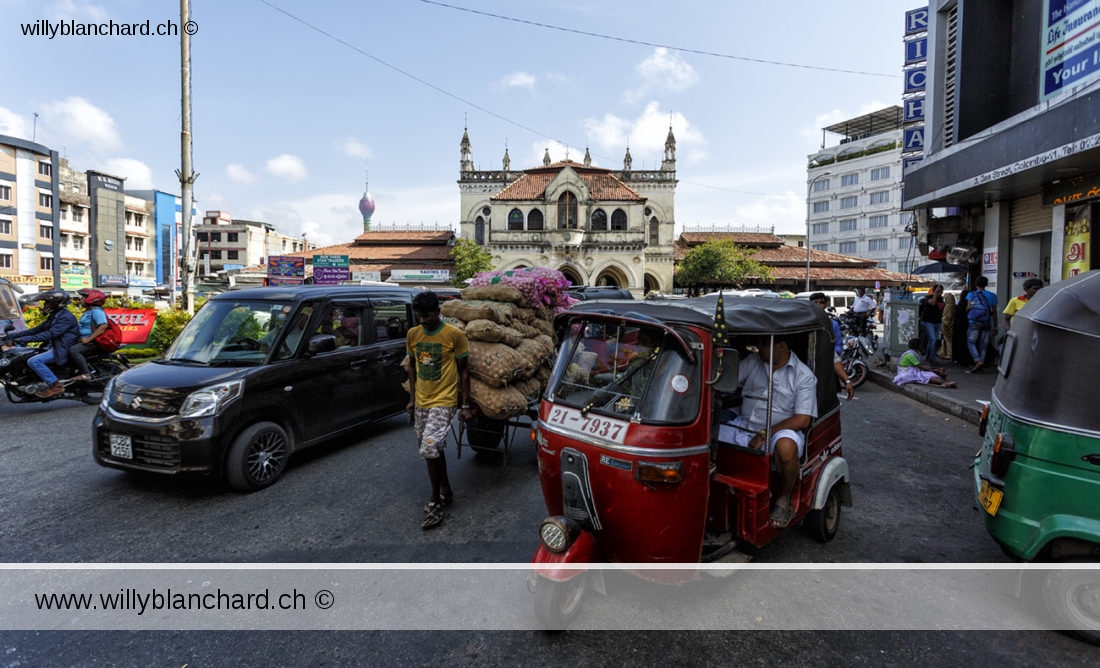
point(602, 184)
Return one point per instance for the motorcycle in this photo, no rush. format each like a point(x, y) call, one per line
point(21, 383)
point(859, 343)
point(636, 463)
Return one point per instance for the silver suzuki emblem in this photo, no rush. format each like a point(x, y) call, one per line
point(135, 403)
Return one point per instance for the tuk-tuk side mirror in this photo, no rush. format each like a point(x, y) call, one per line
point(726, 380)
point(9, 326)
point(322, 343)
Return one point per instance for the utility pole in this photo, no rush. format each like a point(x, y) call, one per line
point(186, 176)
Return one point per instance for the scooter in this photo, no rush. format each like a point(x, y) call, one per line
point(21, 383)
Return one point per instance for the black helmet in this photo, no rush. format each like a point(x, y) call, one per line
point(53, 300)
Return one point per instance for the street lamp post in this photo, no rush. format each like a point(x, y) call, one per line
point(809, 189)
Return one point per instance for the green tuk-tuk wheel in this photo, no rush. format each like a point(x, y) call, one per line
point(1072, 597)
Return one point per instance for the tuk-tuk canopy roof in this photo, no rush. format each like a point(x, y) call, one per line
point(1073, 305)
point(1047, 370)
point(744, 315)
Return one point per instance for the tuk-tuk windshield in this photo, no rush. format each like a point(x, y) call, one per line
point(626, 370)
point(9, 305)
point(238, 333)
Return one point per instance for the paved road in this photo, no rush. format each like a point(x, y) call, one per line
point(359, 501)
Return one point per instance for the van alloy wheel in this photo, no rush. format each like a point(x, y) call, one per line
point(258, 456)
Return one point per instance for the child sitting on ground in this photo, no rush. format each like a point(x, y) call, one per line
point(910, 369)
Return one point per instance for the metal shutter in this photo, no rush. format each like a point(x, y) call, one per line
point(1027, 216)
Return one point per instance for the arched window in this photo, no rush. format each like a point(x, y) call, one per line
point(534, 220)
point(479, 231)
point(515, 220)
point(654, 231)
point(567, 211)
point(618, 220)
point(599, 219)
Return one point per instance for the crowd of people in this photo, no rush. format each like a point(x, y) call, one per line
point(965, 332)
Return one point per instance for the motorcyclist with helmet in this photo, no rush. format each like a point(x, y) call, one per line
point(92, 324)
point(60, 330)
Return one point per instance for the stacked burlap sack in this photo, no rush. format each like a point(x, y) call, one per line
point(508, 320)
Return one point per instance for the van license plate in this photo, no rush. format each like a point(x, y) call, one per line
point(121, 447)
point(990, 498)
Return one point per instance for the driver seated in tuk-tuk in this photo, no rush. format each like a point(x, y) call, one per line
point(793, 408)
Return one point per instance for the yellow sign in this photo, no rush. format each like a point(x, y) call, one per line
point(1075, 248)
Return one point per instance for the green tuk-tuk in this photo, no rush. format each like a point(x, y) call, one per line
point(1037, 475)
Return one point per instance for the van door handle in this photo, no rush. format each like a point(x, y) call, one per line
point(358, 364)
point(1092, 459)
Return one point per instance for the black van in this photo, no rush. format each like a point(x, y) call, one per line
point(255, 376)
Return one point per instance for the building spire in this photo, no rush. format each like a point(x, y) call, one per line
point(587, 157)
point(546, 157)
point(627, 161)
point(366, 204)
point(669, 163)
point(466, 161)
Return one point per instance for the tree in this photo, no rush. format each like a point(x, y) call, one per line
point(719, 264)
point(470, 260)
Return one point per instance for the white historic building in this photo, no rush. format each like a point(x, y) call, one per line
point(595, 225)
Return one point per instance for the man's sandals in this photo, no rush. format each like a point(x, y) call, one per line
point(781, 517)
point(433, 512)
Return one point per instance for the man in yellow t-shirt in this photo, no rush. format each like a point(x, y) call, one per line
point(439, 383)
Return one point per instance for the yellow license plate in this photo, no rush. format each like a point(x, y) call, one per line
point(990, 498)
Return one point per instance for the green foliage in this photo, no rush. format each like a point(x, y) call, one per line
point(169, 323)
point(470, 260)
point(718, 264)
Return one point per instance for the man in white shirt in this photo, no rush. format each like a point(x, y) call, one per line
point(793, 408)
point(864, 304)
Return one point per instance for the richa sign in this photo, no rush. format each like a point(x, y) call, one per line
point(136, 323)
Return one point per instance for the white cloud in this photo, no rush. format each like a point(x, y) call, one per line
point(354, 148)
point(518, 80)
point(12, 124)
point(334, 218)
point(75, 120)
point(72, 9)
point(663, 71)
point(286, 166)
point(558, 152)
point(239, 173)
point(137, 174)
point(557, 77)
point(646, 136)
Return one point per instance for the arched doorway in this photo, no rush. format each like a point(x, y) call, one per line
point(571, 275)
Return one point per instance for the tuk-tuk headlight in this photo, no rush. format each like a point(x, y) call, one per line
point(558, 533)
point(210, 400)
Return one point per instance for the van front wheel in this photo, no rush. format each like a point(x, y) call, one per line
point(257, 457)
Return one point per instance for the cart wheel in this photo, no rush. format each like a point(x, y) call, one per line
point(1073, 600)
point(557, 603)
point(823, 524)
point(483, 432)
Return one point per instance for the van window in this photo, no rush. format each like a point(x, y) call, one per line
point(345, 322)
point(391, 319)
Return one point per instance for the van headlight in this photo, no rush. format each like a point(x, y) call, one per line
point(105, 400)
point(210, 400)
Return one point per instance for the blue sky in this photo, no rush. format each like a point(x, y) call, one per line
point(294, 99)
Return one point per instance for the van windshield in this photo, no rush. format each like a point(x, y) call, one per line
point(628, 371)
point(9, 305)
point(238, 333)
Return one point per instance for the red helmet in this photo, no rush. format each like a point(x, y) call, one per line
point(92, 297)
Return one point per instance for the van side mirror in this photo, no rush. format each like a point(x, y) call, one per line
point(9, 326)
point(322, 343)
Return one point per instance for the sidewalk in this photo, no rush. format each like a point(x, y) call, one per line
point(962, 402)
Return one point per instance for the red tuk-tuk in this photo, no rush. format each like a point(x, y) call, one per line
point(634, 462)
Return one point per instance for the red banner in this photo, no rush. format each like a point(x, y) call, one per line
point(135, 323)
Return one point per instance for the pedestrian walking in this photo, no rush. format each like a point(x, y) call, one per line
point(439, 385)
point(981, 307)
point(931, 318)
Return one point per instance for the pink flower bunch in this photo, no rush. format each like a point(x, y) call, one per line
point(540, 286)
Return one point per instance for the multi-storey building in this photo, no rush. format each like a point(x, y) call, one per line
point(854, 193)
point(75, 239)
point(29, 223)
point(1009, 181)
point(224, 243)
point(597, 226)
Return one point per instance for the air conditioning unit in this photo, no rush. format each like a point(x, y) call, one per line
point(960, 255)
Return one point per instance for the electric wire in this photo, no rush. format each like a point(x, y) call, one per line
point(627, 40)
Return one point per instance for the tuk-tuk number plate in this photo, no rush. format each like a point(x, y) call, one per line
point(121, 447)
point(571, 419)
point(989, 497)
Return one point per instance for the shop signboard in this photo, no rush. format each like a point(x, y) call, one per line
point(285, 270)
point(330, 269)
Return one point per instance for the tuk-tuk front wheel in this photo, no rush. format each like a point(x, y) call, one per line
point(823, 524)
point(557, 603)
point(1073, 600)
